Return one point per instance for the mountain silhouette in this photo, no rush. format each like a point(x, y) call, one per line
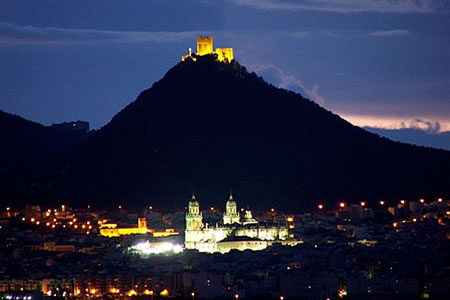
point(31, 156)
point(211, 128)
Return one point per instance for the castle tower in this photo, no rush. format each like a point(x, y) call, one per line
point(205, 45)
point(231, 214)
point(142, 223)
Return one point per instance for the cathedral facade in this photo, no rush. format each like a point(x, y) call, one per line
point(235, 232)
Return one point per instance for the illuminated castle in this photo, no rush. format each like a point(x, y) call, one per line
point(111, 230)
point(234, 233)
point(205, 46)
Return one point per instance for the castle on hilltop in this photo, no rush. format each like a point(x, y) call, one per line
point(205, 46)
point(234, 232)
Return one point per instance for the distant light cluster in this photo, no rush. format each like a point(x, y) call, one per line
point(157, 248)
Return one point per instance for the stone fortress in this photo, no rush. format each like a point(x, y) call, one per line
point(205, 46)
point(238, 233)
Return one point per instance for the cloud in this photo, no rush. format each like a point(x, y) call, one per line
point(11, 34)
point(395, 32)
point(298, 34)
point(277, 76)
point(397, 123)
point(344, 6)
point(424, 125)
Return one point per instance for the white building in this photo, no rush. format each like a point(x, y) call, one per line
point(233, 233)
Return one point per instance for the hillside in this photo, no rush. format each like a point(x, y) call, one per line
point(31, 155)
point(209, 128)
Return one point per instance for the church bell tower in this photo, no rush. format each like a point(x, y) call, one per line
point(194, 224)
point(231, 214)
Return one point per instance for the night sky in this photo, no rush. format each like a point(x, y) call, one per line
point(382, 63)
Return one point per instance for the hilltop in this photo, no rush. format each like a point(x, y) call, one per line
point(210, 127)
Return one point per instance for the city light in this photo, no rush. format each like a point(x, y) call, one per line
point(440, 200)
point(164, 293)
point(342, 205)
point(157, 248)
point(236, 296)
point(402, 202)
point(381, 202)
point(363, 203)
point(422, 200)
point(320, 206)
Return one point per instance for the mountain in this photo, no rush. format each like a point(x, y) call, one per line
point(440, 140)
point(211, 128)
point(31, 154)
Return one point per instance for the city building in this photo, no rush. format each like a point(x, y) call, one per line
point(234, 232)
point(112, 230)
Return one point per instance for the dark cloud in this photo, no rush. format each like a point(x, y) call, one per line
point(393, 32)
point(345, 6)
point(13, 34)
point(136, 15)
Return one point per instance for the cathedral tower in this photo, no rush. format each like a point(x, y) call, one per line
point(194, 224)
point(194, 218)
point(231, 214)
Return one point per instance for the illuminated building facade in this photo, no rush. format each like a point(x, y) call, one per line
point(205, 46)
point(111, 230)
point(234, 232)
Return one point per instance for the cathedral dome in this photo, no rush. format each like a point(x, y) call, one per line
point(231, 201)
point(193, 202)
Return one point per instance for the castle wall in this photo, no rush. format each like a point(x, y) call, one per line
point(224, 54)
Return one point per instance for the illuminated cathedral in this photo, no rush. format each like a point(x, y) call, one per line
point(233, 233)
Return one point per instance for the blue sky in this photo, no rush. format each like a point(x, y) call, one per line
point(383, 63)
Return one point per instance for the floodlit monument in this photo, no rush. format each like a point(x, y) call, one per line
point(235, 232)
point(113, 230)
point(205, 46)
